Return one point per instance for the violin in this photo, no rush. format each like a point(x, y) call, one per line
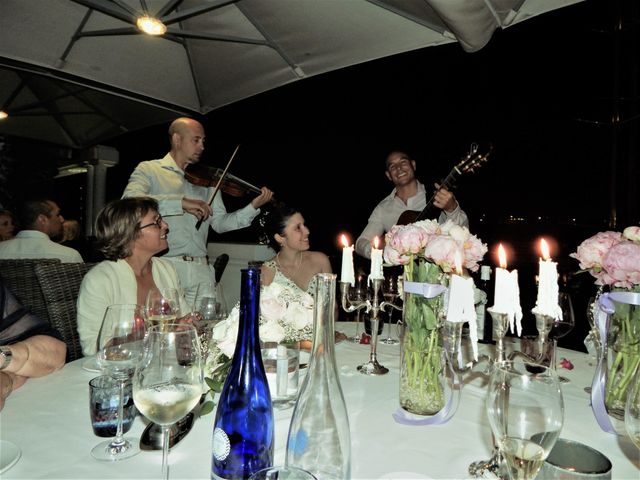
point(206, 176)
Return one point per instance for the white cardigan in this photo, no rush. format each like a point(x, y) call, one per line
point(113, 282)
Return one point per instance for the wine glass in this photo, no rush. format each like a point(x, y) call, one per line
point(632, 410)
point(119, 350)
point(357, 294)
point(168, 381)
point(561, 326)
point(163, 305)
point(526, 414)
point(391, 293)
point(206, 310)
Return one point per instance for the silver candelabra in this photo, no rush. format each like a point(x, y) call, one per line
point(371, 304)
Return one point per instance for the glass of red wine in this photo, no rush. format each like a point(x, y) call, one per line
point(562, 326)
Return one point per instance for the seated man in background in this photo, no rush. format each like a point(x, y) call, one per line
point(29, 346)
point(41, 223)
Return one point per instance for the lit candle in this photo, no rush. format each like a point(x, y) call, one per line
point(376, 262)
point(347, 274)
point(461, 306)
point(507, 293)
point(547, 301)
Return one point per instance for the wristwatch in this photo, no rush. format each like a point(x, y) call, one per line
point(5, 357)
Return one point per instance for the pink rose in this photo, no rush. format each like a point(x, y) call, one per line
point(632, 233)
point(622, 263)
point(442, 251)
point(591, 252)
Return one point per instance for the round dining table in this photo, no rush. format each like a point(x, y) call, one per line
point(48, 420)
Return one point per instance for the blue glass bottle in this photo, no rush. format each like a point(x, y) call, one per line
point(243, 435)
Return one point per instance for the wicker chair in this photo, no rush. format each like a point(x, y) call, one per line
point(20, 277)
point(60, 285)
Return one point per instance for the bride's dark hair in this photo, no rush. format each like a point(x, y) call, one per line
point(275, 221)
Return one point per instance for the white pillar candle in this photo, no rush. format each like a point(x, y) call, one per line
point(376, 262)
point(507, 293)
point(347, 273)
point(547, 301)
point(461, 306)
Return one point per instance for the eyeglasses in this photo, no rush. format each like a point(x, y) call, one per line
point(157, 222)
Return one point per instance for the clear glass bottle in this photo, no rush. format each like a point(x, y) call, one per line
point(319, 439)
point(243, 435)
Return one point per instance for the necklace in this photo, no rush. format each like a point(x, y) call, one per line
point(297, 267)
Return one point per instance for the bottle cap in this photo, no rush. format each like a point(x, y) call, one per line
point(485, 272)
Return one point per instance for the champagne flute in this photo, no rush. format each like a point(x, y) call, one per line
point(391, 293)
point(162, 305)
point(119, 350)
point(561, 326)
point(168, 381)
point(526, 414)
point(632, 411)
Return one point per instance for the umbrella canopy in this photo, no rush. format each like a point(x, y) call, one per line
point(214, 52)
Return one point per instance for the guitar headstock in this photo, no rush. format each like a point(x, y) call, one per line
point(474, 159)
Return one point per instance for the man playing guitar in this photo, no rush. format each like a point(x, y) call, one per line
point(408, 195)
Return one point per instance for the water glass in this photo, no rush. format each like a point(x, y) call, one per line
point(281, 364)
point(104, 397)
point(282, 473)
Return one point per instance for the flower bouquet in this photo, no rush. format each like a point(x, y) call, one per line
point(613, 259)
point(427, 252)
point(286, 316)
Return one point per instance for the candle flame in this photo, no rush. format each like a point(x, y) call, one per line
point(502, 256)
point(344, 240)
point(544, 248)
point(457, 258)
point(375, 242)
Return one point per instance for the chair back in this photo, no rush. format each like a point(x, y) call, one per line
point(60, 285)
point(20, 277)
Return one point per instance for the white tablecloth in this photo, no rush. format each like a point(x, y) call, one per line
point(48, 419)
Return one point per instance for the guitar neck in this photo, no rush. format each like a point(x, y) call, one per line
point(429, 209)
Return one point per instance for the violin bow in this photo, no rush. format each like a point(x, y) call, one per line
point(215, 192)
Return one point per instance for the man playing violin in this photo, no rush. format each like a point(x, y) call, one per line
point(183, 204)
point(408, 194)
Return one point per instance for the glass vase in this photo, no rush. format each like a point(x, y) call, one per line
point(623, 342)
point(281, 364)
point(319, 440)
point(422, 363)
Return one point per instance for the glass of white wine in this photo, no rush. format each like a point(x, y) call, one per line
point(163, 305)
point(168, 382)
point(526, 414)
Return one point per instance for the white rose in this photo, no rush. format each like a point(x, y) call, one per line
point(632, 233)
point(271, 332)
point(298, 316)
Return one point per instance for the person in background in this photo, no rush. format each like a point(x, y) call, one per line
point(129, 232)
point(29, 346)
point(7, 226)
point(183, 204)
point(408, 194)
point(73, 237)
point(41, 224)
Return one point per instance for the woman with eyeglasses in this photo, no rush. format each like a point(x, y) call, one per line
point(129, 232)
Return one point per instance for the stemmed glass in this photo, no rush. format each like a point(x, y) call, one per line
point(526, 414)
point(119, 350)
point(168, 381)
point(163, 305)
point(632, 410)
point(391, 293)
point(560, 327)
point(207, 309)
point(359, 293)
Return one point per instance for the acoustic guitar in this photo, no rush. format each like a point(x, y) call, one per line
point(473, 160)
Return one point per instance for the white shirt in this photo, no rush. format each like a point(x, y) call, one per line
point(37, 244)
point(387, 212)
point(164, 181)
